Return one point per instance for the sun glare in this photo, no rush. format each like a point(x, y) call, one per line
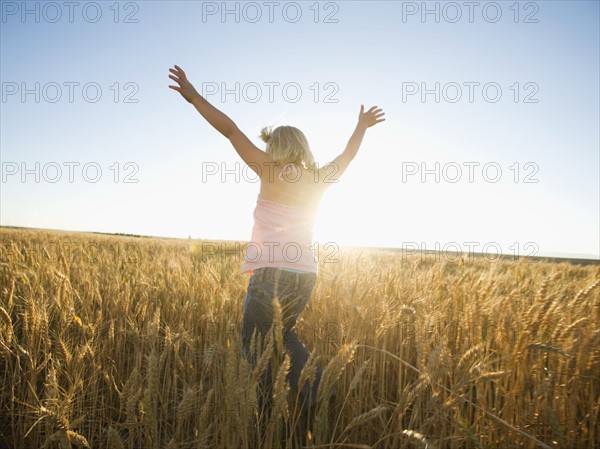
point(341, 220)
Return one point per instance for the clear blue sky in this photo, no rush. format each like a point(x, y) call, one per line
point(372, 53)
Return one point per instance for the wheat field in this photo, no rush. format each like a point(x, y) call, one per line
point(121, 342)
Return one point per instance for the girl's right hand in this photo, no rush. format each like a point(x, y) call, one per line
point(371, 117)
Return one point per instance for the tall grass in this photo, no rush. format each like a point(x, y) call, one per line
point(110, 342)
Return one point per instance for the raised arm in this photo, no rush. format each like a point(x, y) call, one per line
point(250, 153)
point(365, 120)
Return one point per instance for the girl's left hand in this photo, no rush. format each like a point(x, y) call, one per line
point(185, 88)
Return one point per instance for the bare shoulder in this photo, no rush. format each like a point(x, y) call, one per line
point(327, 174)
point(303, 187)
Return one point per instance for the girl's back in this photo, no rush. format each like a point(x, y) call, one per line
point(293, 185)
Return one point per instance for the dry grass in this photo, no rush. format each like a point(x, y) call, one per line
point(110, 342)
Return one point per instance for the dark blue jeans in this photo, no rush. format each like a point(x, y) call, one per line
point(293, 290)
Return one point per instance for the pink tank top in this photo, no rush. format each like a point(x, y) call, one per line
point(281, 238)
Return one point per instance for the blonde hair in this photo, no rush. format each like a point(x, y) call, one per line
point(287, 144)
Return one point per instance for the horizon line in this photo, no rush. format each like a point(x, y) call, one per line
point(556, 256)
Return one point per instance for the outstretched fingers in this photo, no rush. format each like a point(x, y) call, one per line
point(176, 79)
point(177, 88)
point(372, 116)
point(378, 112)
point(180, 69)
point(376, 115)
point(179, 78)
point(179, 73)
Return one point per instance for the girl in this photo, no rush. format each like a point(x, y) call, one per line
point(279, 257)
